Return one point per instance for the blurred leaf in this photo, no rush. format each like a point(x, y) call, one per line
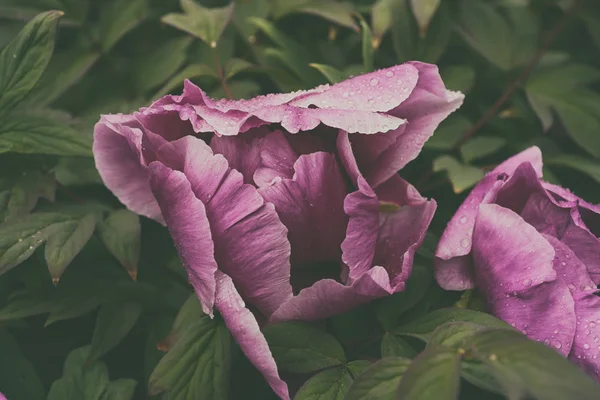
point(245, 9)
point(300, 347)
point(508, 39)
point(423, 11)
point(121, 233)
point(117, 18)
point(37, 134)
point(74, 298)
point(19, 192)
point(18, 378)
point(379, 381)
point(449, 133)
point(459, 77)
point(65, 240)
point(198, 361)
point(590, 14)
point(330, 384)
point(206, 24)
point(381, 18)
point(234, 66)
point(461, 176)
point(189, 72)
point(453, 334)
point(88, 381)
point(76, 171)
point(24, 59)
point(585, 165)
point(368, 51)
point(394, 346)
point(525, 368)
point(332, 74)
point(334, 11)
point(160, 63)
point(114, 322)
point(434, 374)
point(25, 305)
point(238, 90)
point(423, 326)
point(480, 147)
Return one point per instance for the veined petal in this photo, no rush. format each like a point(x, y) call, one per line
point(277, 158)
point(586, 346)
point(242, 153)
point(246, 332)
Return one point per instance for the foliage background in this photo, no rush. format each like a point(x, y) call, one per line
point(530, 70)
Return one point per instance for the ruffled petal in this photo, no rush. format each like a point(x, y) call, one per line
point(453, 270)
point(569, 268)
point(188, 225)
point(328, 297)
point(118, 156)
point(586, 246)
point(311, 206)
point(250, 241)
point(277, 158)
point(246, 332)
point(242, 153)
point(586, 346)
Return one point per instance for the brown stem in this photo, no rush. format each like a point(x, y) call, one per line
point(512, 88)
point(222, 77)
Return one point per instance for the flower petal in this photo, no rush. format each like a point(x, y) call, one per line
point(188, 224)
point(277, 158)
point(245, 330)
point(118, 157)
point(452, 270)
point(569, 267)
point(242, 153)
point(250, 241)
point(586, 346)
point(311, 206)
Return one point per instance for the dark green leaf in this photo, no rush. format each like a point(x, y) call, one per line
point(459, 77)
point(424, 11)
point(449, 133)
point(25, 305)
point(300, 347)
point(368, 51)
point(245, 9)
point(336, 12)
point(424, 326)
point(234, 66)
point(461, 176)
point(394, 346)
point(433, 375)
point(206, 24)
point(18, 378)
point(332, 74)
point(121, 233)
point(114, 321)
point(585, 165)
point(379, 381)
point(381, 18)
point(189, 72)
point(76, 171)
point(480, 147)
point(198, 361)
point(20, 192)
point(330, 384)
point(453, 334)
point(160, 63)
point(117, 18)
point(88, 381)
point(24, 59)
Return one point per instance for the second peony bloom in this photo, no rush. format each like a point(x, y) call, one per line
point(290, 203)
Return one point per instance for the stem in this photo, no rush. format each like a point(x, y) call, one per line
point(512, 88)
point(222, 77)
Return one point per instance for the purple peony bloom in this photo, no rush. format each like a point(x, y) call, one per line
point(532, 249)
point(289, 203)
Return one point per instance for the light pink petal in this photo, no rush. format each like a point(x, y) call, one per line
point(246, 332)
point(250, 241)
point(188, 225)
point(586, 346)
point(118, 156)
point(452, 269)
point(569, 268)
point(328, 297)
point(311, 206)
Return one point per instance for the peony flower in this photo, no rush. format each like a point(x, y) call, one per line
point(290, 203)
point(532, 249)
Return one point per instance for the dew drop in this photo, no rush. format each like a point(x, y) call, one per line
point(587, 332)
point(527, 282)
point(345, 95)
point(557, 344)
point(463, 220)
point(371, 101)
point(373, 82)
point(563, 263)
point(547, 341)
point(20, 240)
point(555, 331)
point(586, 346)
point(465, 242)
point(389, 74)
point(513, 325)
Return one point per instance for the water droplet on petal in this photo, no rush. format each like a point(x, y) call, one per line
point(557, 344)
point(464, 220)
point(586, 346)
point(389, 74)
point(555, 331)
point(527, 282)
point(345, 95)
point(465, 242)
point(373, 81)
point(371, 101)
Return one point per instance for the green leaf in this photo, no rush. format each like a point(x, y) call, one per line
point(76, 171)
point(88, 381)
point(245, 9)
point(198, 361)
point(529, 369)
point(480, 147)
point(121, 233)
point(449, 133)
point(160, 63)
point(206, 24)
point(20, 192)
point(114, 322)
point(337, 12)
point(189, 72)
point(392, 307)
point(333, 75)
point(461, 176)
point(381, 18)
point(423, 11)
point(24, 59)
point(368, 51)
point(65, 240)
point(453, 334)
point(117, 18)
point(379, 381)
point(424, 326)
point(394, 346)
point(508, 39)
point(234, 66)
point(459, 77)
point(433, 375)
point(73, 299)
point(330, 384)
point(300, 347)
point(38, 134)
point(585, 165)
point(18, 378)
point(25, 305)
